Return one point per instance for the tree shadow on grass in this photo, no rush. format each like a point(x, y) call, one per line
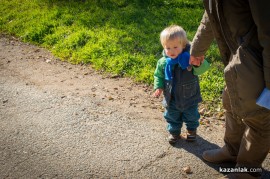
point(200, 145)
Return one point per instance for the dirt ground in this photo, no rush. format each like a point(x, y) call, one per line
point(59, 120)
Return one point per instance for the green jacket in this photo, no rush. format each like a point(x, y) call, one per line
point(159, 75)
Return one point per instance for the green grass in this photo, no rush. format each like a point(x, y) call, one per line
point(117, 36)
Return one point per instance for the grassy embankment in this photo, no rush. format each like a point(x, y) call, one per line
point(117, 36)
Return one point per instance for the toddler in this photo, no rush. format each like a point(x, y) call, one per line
point(175, 79)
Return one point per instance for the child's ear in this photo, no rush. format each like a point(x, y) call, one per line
point(184, 46)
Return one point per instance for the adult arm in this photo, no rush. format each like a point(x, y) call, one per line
point(201, 41)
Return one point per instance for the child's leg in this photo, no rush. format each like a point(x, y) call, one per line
point(174, 119)
point(191, 117)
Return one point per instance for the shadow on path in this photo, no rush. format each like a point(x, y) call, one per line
point(200, 145)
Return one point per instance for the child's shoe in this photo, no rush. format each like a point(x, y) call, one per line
point(191, 136)
point(172, 139)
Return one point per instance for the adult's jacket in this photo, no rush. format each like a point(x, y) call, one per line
point(229, 21)
point(242, 31)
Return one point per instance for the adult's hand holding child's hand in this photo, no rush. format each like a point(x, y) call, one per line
point(196, 61)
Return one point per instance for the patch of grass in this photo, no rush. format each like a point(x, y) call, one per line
point(211, 82)
point(117, 36)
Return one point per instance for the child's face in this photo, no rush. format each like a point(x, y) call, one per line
point(173, 48)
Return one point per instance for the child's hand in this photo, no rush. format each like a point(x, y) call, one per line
point(196, 61)
point(157, 93)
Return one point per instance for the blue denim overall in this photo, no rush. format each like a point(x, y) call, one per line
point(182, 95)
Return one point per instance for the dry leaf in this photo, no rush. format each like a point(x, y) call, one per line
point(187, 170)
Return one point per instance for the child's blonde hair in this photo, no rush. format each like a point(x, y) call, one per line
point(173, 32)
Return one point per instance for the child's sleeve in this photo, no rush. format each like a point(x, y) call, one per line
point(202, 68)
point(159, 74)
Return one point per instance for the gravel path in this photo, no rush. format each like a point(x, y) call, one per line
point(59, 120)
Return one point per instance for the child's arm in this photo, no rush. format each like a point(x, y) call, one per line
point(203, 67)
point(159, 77)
